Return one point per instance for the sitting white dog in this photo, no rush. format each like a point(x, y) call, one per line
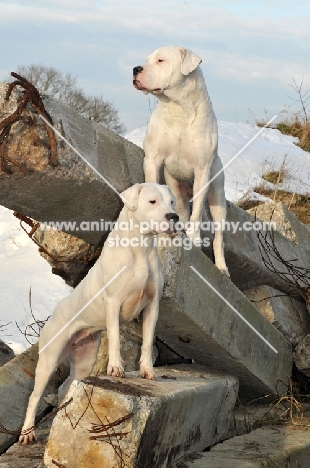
point(182, 138)
point(126, 278)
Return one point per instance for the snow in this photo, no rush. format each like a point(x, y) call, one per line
point(22, 267)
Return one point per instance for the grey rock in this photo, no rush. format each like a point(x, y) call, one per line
point(28, 456)
point(288, 315)
point(6, 353)
point(266, 447)
point(16, 385)
point(302, 356)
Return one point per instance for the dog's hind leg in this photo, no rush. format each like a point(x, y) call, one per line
point(47, 363)
point(182, 192)
point(217, 203)
point(82, 355)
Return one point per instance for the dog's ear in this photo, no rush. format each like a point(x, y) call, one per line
point(130, 196)
point(190, 61)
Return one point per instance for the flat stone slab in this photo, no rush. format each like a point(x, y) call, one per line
point(263, 448)
point(198, 322)
point(16, 385)
point(137, 423)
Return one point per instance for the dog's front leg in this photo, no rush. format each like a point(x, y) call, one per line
point(151, 166)
point(199, 195)
point(150, 315)
point(115, 363)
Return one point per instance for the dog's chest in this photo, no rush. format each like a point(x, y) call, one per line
point(141, 291)
point(180, 156)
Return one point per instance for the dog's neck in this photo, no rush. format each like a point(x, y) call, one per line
point(186, 100)
point(127, 227)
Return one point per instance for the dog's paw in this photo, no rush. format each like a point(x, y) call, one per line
point(225, 272)
point(147, 373)
point(223, 269)
point(115, 371)
point(25, 439)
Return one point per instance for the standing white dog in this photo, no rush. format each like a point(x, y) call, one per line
point(182, 137)
point(109, 296)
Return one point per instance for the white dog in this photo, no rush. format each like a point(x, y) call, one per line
point(108, 297)
point(182, 137)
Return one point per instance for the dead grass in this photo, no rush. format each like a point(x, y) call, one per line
point(291, 409)
point(297, 129)
point(275, 177)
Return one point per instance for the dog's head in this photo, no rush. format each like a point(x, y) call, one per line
point(152, 205)
point(166, 68)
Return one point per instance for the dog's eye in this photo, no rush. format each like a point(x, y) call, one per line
point(172, 202)
point(153, 202)
point(160, 60)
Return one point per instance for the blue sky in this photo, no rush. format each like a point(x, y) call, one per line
point(249, 49)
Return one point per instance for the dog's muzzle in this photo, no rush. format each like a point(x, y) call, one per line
point(135, 82)
point(137, 70)
point(172, 218)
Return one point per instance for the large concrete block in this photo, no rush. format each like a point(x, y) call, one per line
point(70, 191)
point(199, 324)
point(16, 384)
point(266, 447)
point(143, 423)
point(289, 316)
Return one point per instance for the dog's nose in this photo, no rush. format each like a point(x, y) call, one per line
point(172, 217)
point(137, 70)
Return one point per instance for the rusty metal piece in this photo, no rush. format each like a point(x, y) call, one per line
point(108, 436)
point(97, 428)
point(296, 276)
point(30, 429)
point(32, 97)
point(57, 464)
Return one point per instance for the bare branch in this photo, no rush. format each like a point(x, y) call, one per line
point(63, 87)
point(303, 97)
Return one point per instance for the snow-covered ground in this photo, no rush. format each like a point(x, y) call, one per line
point(22, 267)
